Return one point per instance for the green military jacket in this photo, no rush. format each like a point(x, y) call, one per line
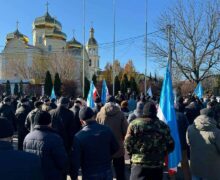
point(148, 142)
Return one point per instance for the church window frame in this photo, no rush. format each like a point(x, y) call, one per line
point(50, 48)
point(40, 40)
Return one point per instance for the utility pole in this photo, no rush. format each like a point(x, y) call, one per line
point(113, 61)
point(145, 74)
point(84, 17)
point(169, 29)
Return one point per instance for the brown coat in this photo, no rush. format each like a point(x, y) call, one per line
point(111, 116)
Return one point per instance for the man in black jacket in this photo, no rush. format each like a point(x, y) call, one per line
point(75, 109)
point(64, 123)
point(16, 164)
point(21, 114)
point(29, 122)
point(7, 112)
point(93, 148)
point(48, 145)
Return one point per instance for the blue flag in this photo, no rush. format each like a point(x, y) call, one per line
point(92, 95)
point(199, 91)
point(166, 113)
point(53, 96)
point(105, 92)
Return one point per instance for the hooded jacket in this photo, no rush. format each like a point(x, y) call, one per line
point(111, 116)
point(203, 137)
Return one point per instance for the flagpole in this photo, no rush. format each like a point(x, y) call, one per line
point(113, 69)
point(145, 75)
point(83, 81)
point(170, 50)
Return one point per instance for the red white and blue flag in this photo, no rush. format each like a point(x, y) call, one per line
point(93, 93)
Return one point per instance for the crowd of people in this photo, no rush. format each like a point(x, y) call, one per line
point(64, 137)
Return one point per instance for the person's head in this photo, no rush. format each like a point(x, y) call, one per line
point(86, 115)
point(33, 99)
point(213, 99)
point(131, 96)
point(42, 118)
point(78, 103)
point(24, 101)
point(53, 100)
point(38, 104)
point(64, 102)
point(180, 100)
point(150, 110)
point(143, 98)
point(208, 112)
point(7, 100)
point(210, 105)
point(139, 108)
point(98, 100)
point(6, 130)
point(47, 101)
point(110, 99)
point(124, 104)
point(192, 99)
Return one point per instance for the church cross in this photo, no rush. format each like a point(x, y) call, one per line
point(47, 5)
point(17, 24)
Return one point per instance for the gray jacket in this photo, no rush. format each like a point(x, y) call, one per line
point(203, 137)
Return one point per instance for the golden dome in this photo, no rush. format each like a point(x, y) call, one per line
point(74, 44)
point(56, 33)
point(17, 35)
point(47, 21)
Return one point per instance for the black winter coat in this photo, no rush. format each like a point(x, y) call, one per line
point(21, 114)
point(64, 122)
point(16, 165)
point(48, 145)
point(75, 110)
point(6, 111)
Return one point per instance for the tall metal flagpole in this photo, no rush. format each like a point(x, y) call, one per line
point(84, 17)
point(145, 74)
point(169, 28)
point(113, 69)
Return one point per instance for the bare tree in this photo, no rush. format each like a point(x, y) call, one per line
point(65, 64)
point(195, 38)
point(18, 66)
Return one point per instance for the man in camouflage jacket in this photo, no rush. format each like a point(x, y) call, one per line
point(148, 142)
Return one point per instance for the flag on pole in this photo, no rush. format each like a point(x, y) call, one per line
point(166, 113)
point(53, 96)
point(149, 92)
point(93, 93)
point(105, 92)
point(199, 91)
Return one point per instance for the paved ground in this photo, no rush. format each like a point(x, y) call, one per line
point(179, 175)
